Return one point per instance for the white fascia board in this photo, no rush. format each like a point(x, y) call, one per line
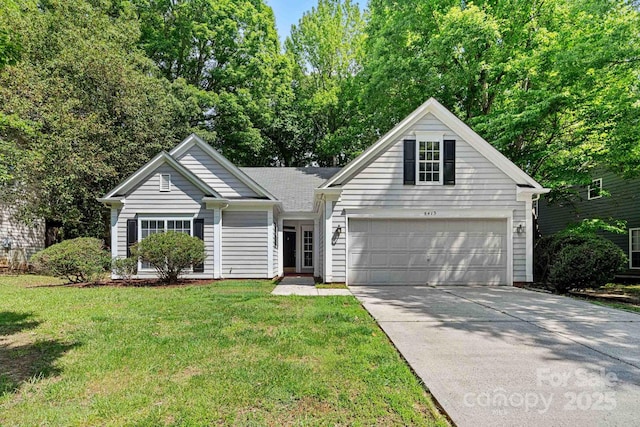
point(111, 202)
point(450, 120)
point(524, 194)
point(162, 158)
point(332, 194)
point(194, 139)
point(213, 202)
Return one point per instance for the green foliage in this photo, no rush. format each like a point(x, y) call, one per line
point(591, 226)
point(94, 109)
point(568, 261)
point(590, 264)
point(76, 260)
point(10, 46)
point(125, 268)
point(327, 49)
point(170, 253)
point(230, 50)
point(551, 84)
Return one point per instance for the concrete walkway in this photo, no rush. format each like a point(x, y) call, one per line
point(305, 286)
point(502, 356)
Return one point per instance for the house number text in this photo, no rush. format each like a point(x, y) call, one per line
point(430, 213)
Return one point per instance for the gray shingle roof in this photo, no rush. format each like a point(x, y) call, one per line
point(292, 186)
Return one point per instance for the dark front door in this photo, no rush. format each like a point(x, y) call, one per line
point(289, 249)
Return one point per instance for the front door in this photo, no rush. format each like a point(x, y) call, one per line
point(289, 249)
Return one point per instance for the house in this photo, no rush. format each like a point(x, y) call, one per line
point(18, 241)
point(431, 202)
point(608, 196)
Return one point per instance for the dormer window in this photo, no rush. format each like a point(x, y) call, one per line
point(595, 189)
point(429, 164)
point(165, 182)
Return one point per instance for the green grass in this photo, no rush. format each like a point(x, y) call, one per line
point(633, 290)
point(225, 353)
point(618, 305)
point(331, 286)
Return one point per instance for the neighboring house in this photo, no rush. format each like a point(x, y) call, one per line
point(608, 196)
point(18, 241)
point(431, 202)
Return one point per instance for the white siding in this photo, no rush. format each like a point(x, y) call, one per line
point(184, 199)
point(479, 185)
point(321, 239)
point(214, 174)
point(275, 247)
point(244, 244)
point(25, 239)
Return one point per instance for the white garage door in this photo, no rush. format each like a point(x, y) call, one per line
point(433, 251)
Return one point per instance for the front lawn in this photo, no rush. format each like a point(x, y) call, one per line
point(225, 353)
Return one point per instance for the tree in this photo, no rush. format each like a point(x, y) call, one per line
point(229, 49)
point(326, 46)
point(9, 44)
point(95, 112)
point(551, 84)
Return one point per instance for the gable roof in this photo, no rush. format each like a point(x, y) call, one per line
point(194, 139)
point(162, 158)
point(450, 120)
point(293, 186)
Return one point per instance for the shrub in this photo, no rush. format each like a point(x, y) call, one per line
point(125, 268)
point(77, 260)
point(578, 261)
point(170, 253)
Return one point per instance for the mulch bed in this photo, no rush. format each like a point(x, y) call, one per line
point(606, 295)
point(610, 295)
point(133, 283)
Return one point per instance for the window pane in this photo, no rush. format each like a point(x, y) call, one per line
point(436, 177)
point(436, 145)
point(428, 167)
point(635, 260)
point(436, 167)
point(436, 155)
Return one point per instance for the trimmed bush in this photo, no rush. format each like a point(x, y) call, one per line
point(577, 261)
point(170, 253)
point(125, 268)
point(77, 260)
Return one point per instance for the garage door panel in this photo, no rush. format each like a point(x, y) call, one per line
point(419, 252)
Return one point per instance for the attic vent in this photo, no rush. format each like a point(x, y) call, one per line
point(165, 182)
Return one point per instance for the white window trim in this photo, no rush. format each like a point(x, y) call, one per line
point(165, 219)
point(163, 179)
point(430, 137)
point(591, 186)
point(304, 229)
point(631, 230)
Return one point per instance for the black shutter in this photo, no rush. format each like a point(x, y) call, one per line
point(198, 231)
point(409, 162)
point(449, 177)
point(132, 234)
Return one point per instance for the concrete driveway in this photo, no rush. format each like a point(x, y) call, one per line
point(502, 356)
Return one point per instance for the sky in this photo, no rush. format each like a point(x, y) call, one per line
point(288, 12)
